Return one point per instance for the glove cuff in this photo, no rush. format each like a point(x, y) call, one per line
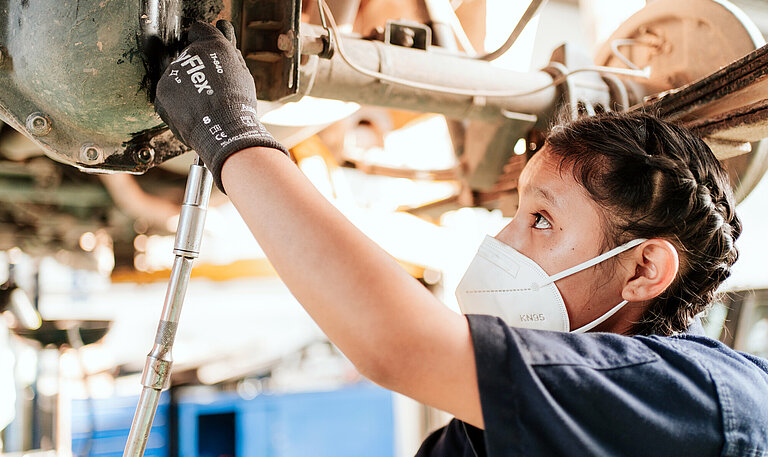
point(227, 131)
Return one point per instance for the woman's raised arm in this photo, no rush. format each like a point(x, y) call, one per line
point(391, 327)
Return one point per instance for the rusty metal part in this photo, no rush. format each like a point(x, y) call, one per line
point(91, 153)
point(741, 83)
point(747, 123)
point(729, 110)
point(38, 124)
point(373, 14)
point(312, 45)
point(145, 155)
point(269, 41)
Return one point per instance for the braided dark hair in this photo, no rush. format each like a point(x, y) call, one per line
point(654, 179)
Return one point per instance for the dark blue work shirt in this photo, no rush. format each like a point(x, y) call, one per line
point(603, 394)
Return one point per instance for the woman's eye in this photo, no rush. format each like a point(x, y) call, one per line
point(541, 222)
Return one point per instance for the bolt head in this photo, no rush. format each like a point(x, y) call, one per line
point(38, 124)
point(406, 37)
point(285, 43)
point(145, 155)
point(90, 153)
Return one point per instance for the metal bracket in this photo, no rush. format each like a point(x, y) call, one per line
point(271, 47)
point(583, 93)
point(408, 34)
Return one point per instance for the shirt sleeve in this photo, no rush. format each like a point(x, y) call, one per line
point(554, 393)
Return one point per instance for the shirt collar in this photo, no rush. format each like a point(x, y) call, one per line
point(696, 328)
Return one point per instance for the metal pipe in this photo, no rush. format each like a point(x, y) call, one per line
point(157, 368)
point(333, 78)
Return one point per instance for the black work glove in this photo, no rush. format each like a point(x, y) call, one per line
point(208, 98)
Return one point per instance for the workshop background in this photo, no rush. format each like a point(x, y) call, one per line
point(253, 375)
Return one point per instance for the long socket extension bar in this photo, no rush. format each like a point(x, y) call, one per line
point(157, 369)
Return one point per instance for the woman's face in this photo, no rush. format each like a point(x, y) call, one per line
point(559, 226)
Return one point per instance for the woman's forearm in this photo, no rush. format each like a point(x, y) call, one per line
point(347, 283)
point(385, 321)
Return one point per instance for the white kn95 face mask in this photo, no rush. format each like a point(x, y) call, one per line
point(502, 282)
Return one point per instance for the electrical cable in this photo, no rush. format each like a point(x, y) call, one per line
point(336, 36)
point(531, 11)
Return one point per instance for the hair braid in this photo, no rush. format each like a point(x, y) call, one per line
point(657, 180)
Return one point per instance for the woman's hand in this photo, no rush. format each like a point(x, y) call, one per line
point(208, 99)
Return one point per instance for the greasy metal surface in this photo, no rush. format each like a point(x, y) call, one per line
point(269, 41)
point(88, 68)
point(83, 70)
point(745, 124)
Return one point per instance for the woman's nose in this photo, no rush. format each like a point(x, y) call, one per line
point(511, 235)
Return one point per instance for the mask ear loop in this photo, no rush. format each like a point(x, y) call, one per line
point(601, 319)
point(591, 263)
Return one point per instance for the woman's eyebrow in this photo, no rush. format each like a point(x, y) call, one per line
point(544, 193)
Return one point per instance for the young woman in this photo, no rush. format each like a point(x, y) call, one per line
point(626, 227)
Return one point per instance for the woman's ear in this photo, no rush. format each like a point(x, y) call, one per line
point(653, 266)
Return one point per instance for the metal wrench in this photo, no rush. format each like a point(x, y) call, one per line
point(157, 369)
